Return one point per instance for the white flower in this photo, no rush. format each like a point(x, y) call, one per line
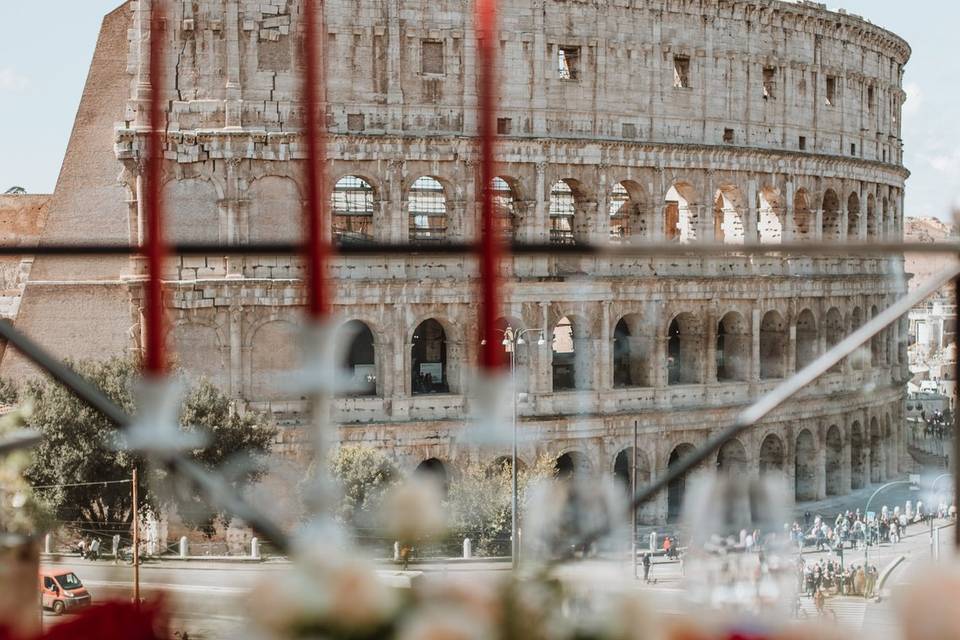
point(435, 623)
point(413, 510)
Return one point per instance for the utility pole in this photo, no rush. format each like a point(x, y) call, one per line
point(633, 502)
point(136, 544)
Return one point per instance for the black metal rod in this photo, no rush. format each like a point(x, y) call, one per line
point(216, 491)
point(634, 250)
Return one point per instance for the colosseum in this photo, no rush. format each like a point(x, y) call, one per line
point(619, 122)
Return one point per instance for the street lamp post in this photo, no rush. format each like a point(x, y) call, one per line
point(513, 338)
point(866, 540)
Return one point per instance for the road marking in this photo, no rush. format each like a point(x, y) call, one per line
point(162, 586)
point(849, 612)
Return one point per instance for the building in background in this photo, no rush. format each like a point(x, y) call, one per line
point(642, 122)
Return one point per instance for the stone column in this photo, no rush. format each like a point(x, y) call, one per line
point(792, 346)
point(755, 343)
point(540, 69)
point(394, 88)
point(236, 350)
point(818, 222)
point(234, 91)
point(657, 196)
point(604, 350)
point(387, 383)
point(750, 224)
point(542, 367)
point(395, 222)
point(846, 471)
point(142, 90)
point(662, 339)
point(710, 357)
point(585, 222)
point(789, 215)
point(821, 462)
point(601, 226)
point(541, 220)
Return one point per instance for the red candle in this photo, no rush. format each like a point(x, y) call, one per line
point(491, 356)
point(155, 248)
point(317, 247)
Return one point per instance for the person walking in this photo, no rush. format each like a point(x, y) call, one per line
point(646, 568)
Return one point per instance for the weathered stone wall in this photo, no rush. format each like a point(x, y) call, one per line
point(667, 121)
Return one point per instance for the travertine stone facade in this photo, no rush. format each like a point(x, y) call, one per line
point(621, 121)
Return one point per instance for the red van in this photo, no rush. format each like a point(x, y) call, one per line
point(61, 590)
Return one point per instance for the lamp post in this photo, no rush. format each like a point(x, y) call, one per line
point(866, 542)
point(512, 338)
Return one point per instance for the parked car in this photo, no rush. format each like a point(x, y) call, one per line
point(61, 590)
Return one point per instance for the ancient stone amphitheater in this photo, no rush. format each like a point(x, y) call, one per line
point(620, 122)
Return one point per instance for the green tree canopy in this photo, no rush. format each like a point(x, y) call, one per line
point(80, 446)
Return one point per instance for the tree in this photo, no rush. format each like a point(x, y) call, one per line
point(364, 474)
point(80, 446)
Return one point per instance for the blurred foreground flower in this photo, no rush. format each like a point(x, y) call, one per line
point(927, 608)
point(413, 511)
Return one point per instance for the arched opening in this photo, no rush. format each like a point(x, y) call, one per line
point(856, 457)
point(563, 210)
point(771, 455)
point(571, 362)
point(680, 216)
point(806, 338)
point(427, 204)
point(831, 216)
point(876, 451)
point(684, 350)
point(884, 222)
point(630, 354)
point(833, 326)
point(805, 469)
point(773, 346)
point(733, 348)
point(623, 473)
point(359, 360)
point(729, 224)
point(629, 213)
point(677, 488)
point(505, 208)
point(890, 446)
point(429, 359)
point(873, 226)
point(770, 216)
point(570, 465)
point(853, 217)
point(353, 205)
point(435, 471)
point(861, 356)
point(834, 461)
point(732, 459)
point(804, 220)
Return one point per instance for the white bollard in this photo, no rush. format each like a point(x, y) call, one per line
point(396, 552)
point(255, 549)
point(653, 541)
point(467, 549)
point(47, 543)
point(184, 547)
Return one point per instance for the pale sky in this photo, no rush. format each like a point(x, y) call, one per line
point(46, 47)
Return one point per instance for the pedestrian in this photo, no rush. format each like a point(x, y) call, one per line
point(646, 567)
point(668, 546)
point(95, 549)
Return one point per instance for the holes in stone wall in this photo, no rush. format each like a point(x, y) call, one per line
point(681, 72)
point(568, 62)
point(769, 83)
point(831, 216)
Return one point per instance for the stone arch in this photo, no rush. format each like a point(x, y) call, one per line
point(732, 458)
point(629, 212)
point(505, 207)
point(571, 464)
point(773, 346)
point(889, 438)
point(770, 216)
point(681, 217)
point(358, 359)
point(275, 211)
point(876, 451)
point(571, 362)
point(631, 353)
point(192, 211)
point(834, 460)
point(884, 222)
point(807, 338)
point(853, 216)
point(877, 342)
point(831, 216)
point(873, 225)
point(729, 221)
point(274, 356)
point(805, 467)
point(353, 205)
point(623, 473)
point(427, 211)
point(685, 350)
point(200, 353)
point(857, 477)
point(434, 470)
point(565, 200)
point(677, 489)
point(429, 373)
point(804, 220)
point(833, 333)
point(734, 348)
point(772, 455)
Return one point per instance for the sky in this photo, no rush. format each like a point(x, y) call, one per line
point(42, 73)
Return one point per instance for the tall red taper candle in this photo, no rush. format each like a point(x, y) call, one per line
point(491, 355)
point(155, 361)
point(317, 247)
